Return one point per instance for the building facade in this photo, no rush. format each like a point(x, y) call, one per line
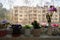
point(26, 15)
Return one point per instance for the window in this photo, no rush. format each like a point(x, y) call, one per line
point(52, 18)
point(20, 15)
point(34, 11)
point(20, 11)
point(20, 18)
point(16, 21)
point(39, 19)
point(25, 19)
point(30, 11)
point(16, 14)
point(16, 11)
point(43, 18)
point(25, 11)
point(39, 15)
point(34, 18)
point(15, 7)
point(56, 15)
point(30, 18)
point(34, 8)
point(16, 18)
point(34, 14)
point(43, 15)
point(55, 18)
point(43, 11)
point(25, 15)
point(39, 11)
point(30, 14)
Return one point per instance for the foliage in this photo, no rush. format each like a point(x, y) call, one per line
point(27, 27)
point(36, 25)
point(4, 25)
point(55, 32)
point(3, 13)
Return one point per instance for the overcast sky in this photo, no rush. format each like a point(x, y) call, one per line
point(9, 3)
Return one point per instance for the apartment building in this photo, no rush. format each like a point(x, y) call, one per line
point(25, 15)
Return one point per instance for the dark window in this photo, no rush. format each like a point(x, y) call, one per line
point(55, 18)
point(56, 15)
point(20, 11)
point(39, 18)
point(39, 11)
point(26, 15)
point(39, 15)
point(30, 11)
point(20, 15)
point(43, 14)
point(16, 18)
point(43, 18)
point(20, 19)
point(34, 14)
point(16, 14)
point(25, 19)
point(43, 11)
point(16, 11)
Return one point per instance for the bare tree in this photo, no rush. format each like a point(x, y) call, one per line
point(3, 11)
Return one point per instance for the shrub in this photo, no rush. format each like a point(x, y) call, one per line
point(35, 25)
point(27, 26)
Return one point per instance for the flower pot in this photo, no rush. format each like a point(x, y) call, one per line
point(3, 32)
point(59, 34)
point(54, 34)
point(27, 32)
point(16, 33)
point(16, 30)
point(36, 32)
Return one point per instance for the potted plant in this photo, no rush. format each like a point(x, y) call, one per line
point(55, 32)
point(3, 31)
point(36, 31)
point(27, 30)
point(16, 32)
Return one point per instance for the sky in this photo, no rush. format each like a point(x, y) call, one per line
point(10, 3)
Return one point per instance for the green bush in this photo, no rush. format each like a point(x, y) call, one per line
point(35, 25)
point(27, 26)
point(4, 25)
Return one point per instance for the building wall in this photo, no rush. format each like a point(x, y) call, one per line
point(59, 13)
point(25, 15)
